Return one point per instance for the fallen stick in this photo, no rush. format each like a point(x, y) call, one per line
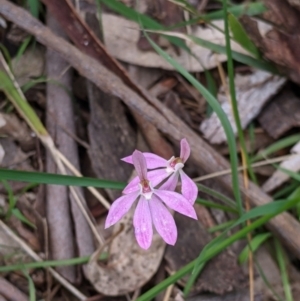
point(11, 292)
point(284, 226)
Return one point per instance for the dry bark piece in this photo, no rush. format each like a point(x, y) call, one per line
point(279, 45)
point(282, 114)
point(129, 267)
point(11, 292)
point(59, 221)
point(60, 114)
point(111, 137)
point(222, 274)
point(284, 226)
point(173, 102)
point(252, 93)
point(279, 177)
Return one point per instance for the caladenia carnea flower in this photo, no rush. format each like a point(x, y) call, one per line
point(150, 207)
point(168, 169)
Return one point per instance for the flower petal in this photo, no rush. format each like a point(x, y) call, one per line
point(176, 202)
point(119, 208)
point(171, 183)
point(185, 150)
point(127, 159)
point(163, 221)
point(153, 161)
point(157, 176)
point(143, 224)
point(188, 187)
point(132, 186)
point(140, 165)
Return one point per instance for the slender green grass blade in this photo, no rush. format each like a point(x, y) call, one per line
point(49, 263)
point(233, 97)
point(7, 86)
point(31, 287)
point(283, 270)
point(214, 205)
point(34, 7)
point(20, 216)
point(239, 57)
point(250, 9)
point(11, 199)
point(240, 35)
point(276, 146)
point(286, 190)
point(255, 243)
point(212, 88)
point(226, 200)
point(54, 179)
point(23, 47)
point(221, 227)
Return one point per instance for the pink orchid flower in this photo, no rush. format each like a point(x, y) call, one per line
point(150, 208)
point(171, 169)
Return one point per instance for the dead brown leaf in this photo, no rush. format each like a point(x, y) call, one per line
point(129, 267)
point(252, 93)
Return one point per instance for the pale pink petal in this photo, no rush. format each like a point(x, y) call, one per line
point(153, 161)
point(184, 150)
point(163, 221)
point(188, 187)
point(171, 183)
point(127, 159)
point(140, 165)
point(157, 176)
point(132, 186)
point(143, 224)
point(119, 208)
point(176, 202)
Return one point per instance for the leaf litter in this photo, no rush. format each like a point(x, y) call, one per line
point(110, 131)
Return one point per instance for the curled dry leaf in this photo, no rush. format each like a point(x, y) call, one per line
point(279, 177)
point(252, 92)
point(129, 267)
point(121, 37)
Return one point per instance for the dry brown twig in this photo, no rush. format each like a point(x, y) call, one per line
point(34, 256)
point(284, 225)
